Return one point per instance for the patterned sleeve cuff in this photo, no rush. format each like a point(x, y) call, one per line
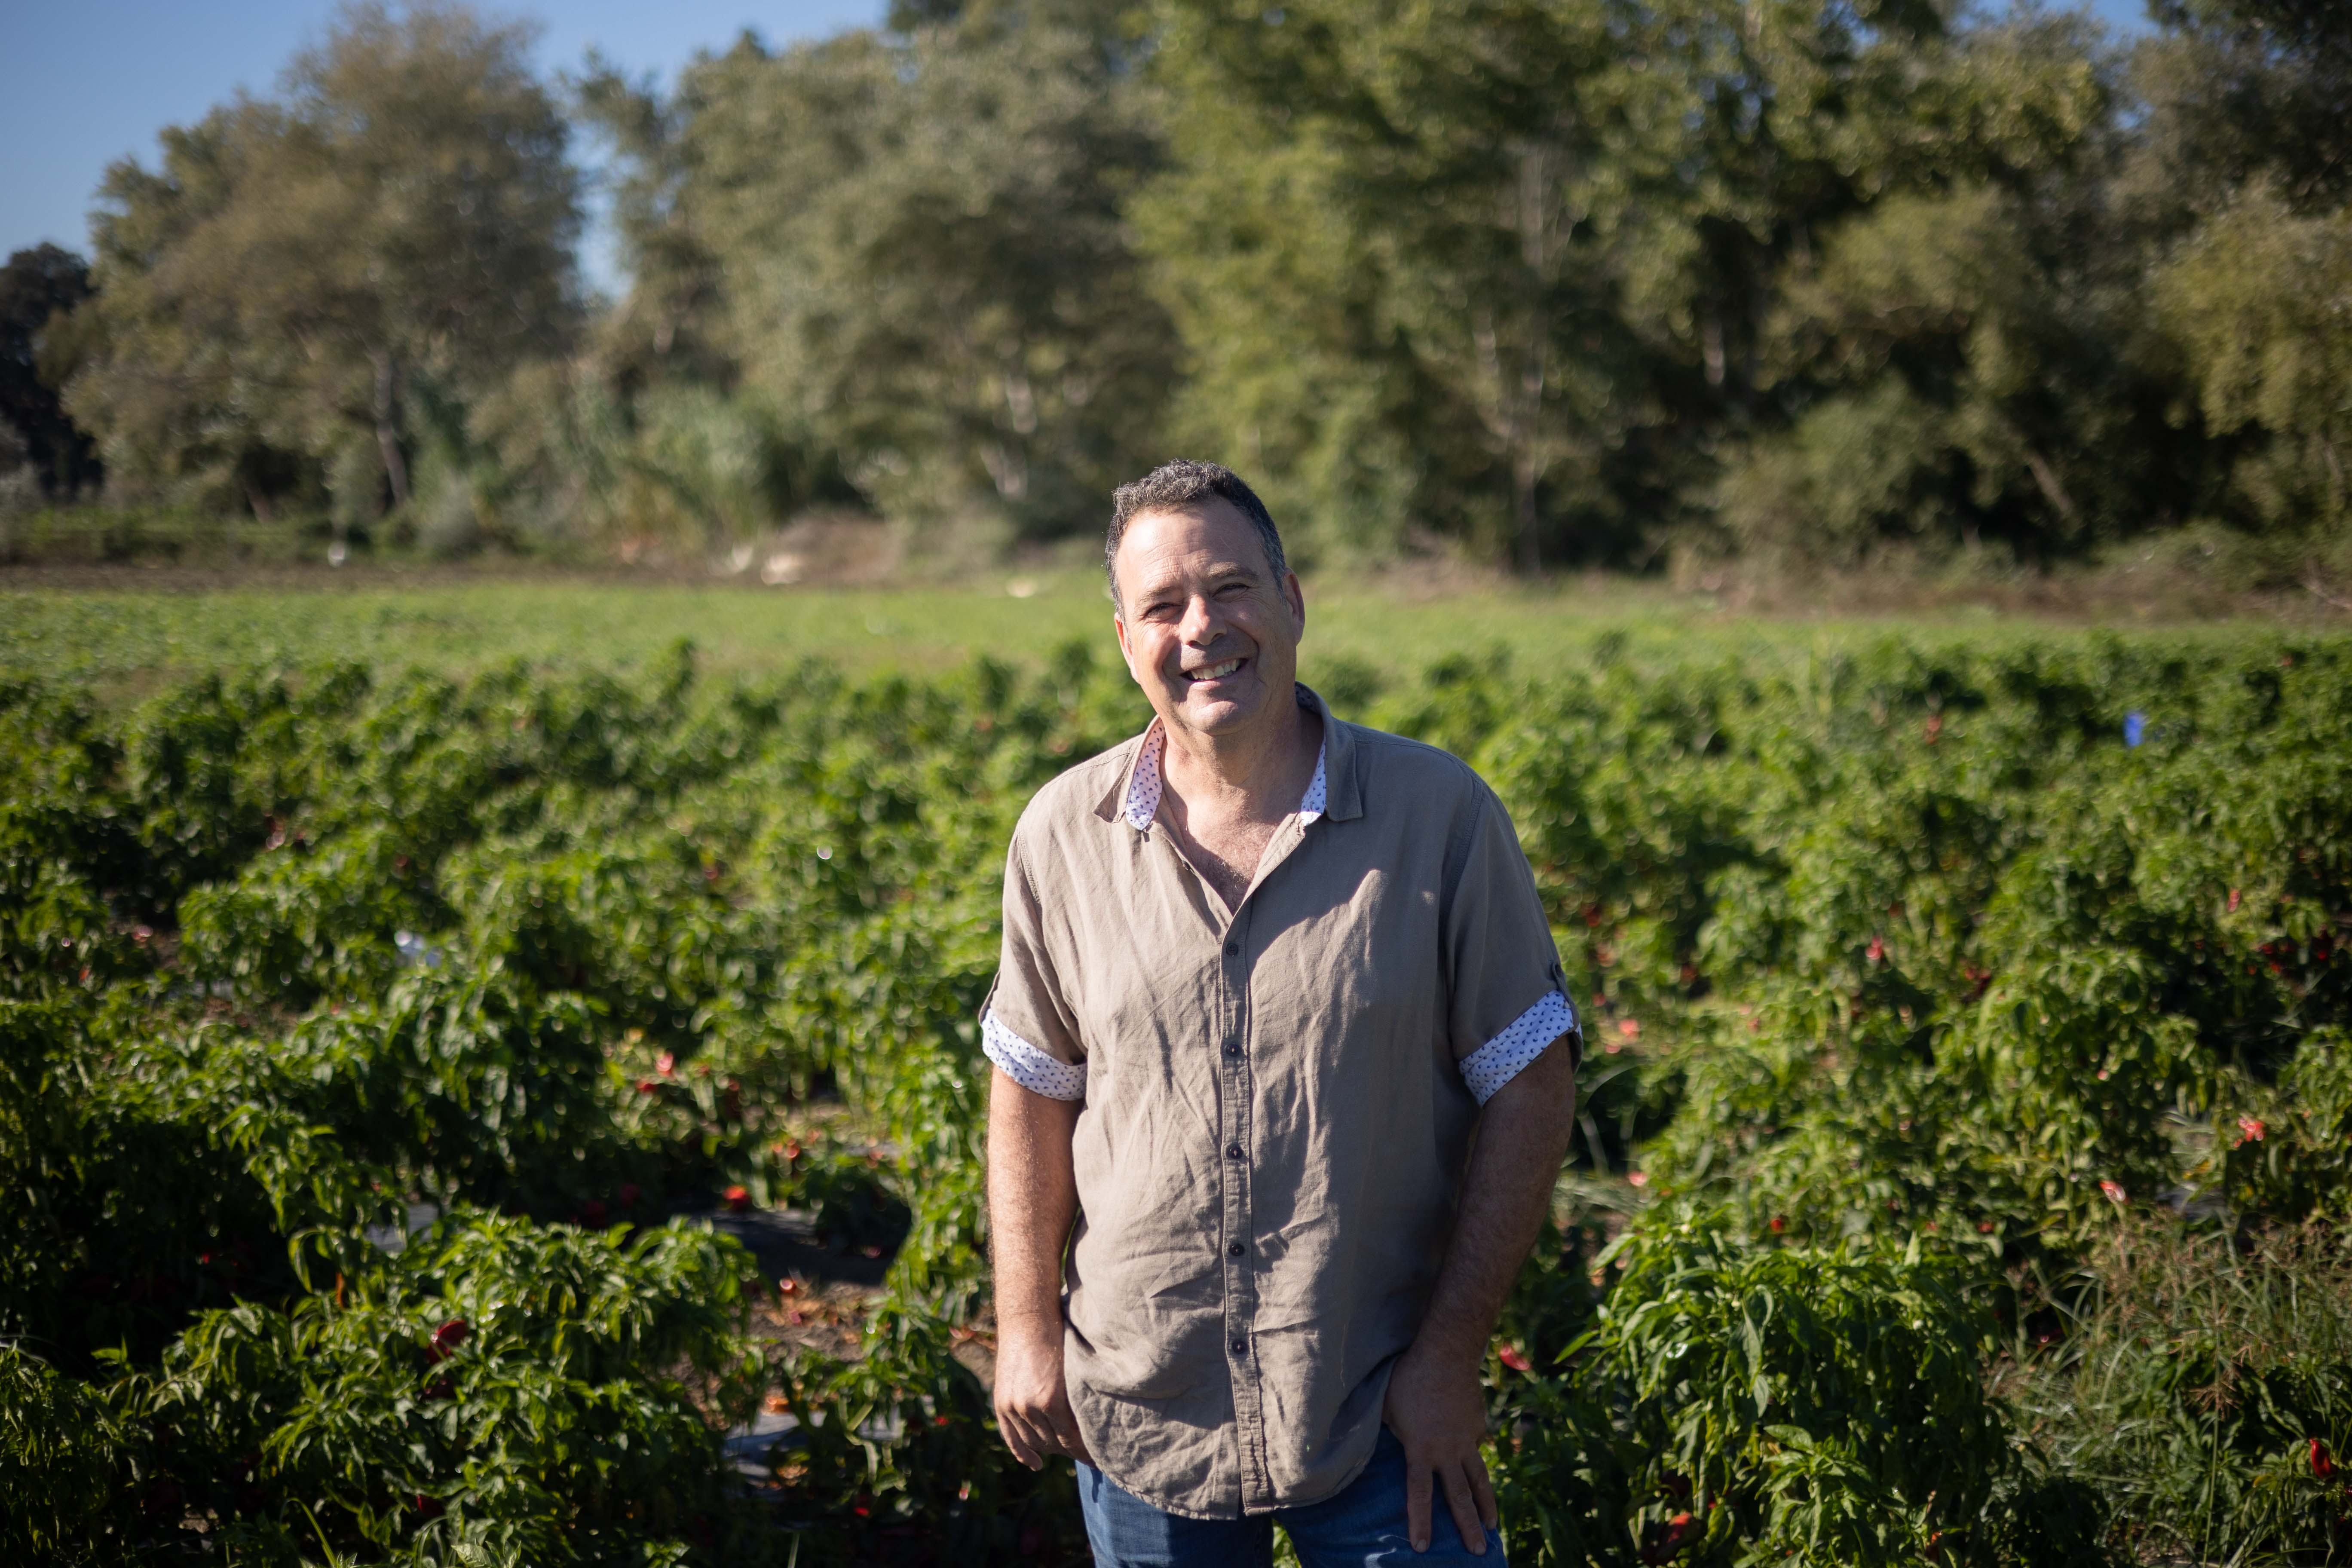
point(1498, 1061)
point(1030, 1067)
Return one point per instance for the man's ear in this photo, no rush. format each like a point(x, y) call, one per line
point(1118, 625)
point(1297, 597)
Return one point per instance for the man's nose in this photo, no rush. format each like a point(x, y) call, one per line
point(1202, 626)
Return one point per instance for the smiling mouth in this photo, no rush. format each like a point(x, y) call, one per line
point(1213, 671)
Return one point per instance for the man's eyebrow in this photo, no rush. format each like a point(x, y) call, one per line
point(1217, 576)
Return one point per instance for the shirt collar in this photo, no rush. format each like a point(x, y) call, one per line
point(1141, 801)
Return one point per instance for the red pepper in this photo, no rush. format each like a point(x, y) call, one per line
point(446, 1339)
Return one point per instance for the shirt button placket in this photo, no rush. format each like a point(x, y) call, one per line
point(1239, 1287)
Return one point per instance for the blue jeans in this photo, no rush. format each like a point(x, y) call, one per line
point(1362, 1527)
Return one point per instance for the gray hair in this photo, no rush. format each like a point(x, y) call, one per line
point(1181, 485)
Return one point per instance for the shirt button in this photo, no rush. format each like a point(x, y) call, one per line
point(1232, 1048)
point(1241, 1347)
point(1233, 1150)
point(1235, 1248)
point(1233, 949)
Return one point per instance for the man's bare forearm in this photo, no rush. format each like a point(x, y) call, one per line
point(1523, 1136)
point(1032, 1200)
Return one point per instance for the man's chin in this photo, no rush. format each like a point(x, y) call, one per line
point(1219, 712)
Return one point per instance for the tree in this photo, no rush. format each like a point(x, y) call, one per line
point(1959, 378)
point(402, 211)
point(2241, 91)
point(178, 409)
point(1967, 360)
point(915, 250)
point(1529, 249)
point(2260, 302)
point(670, 325)
point(38, 286)
point(1378, 237)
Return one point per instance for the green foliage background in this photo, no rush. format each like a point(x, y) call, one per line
point(1963, 1166)
point(1539, 283)
point(1960, 1172)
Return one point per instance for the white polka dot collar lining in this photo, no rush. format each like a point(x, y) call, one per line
point(1144, 786)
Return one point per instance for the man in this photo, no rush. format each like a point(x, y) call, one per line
point(1274, 1115)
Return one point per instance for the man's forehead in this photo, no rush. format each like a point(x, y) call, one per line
point(1158, 544)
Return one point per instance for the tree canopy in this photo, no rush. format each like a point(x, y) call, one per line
point(38, 286)
point(914, 249)
point(1552, 282)
point(282, 292)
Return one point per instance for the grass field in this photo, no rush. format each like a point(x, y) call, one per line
point(113, 631)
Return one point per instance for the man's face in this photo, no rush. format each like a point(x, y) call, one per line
point(1209, 634)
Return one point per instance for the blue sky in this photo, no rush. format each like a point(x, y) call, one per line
point(89, 81)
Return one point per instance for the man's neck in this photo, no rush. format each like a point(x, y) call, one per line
point(1254, 774)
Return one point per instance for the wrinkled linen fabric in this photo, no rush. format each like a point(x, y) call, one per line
point(1484, 1070)
point(1277, 1101)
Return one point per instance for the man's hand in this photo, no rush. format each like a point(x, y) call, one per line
point(1033, 1402)
point(1436, 1411)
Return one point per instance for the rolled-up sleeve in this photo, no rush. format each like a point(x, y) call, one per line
point(1026, 1026)
point(1508, 999)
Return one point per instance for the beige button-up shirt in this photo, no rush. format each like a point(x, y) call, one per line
point(1278, 1102)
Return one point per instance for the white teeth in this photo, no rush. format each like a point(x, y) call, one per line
point(1214, 671)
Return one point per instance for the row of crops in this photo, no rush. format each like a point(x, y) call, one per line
point(1962, 1176)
